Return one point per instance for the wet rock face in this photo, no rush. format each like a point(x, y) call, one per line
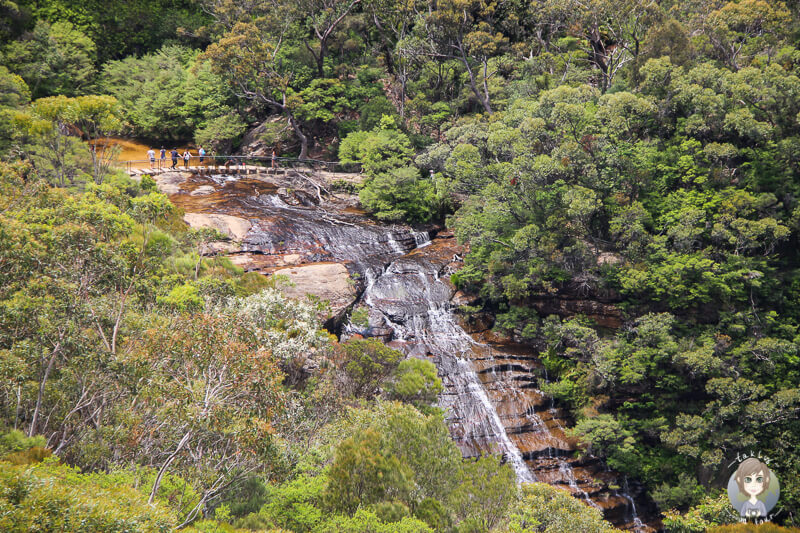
point(274, 228)
point(604, 314)
point(491, 394)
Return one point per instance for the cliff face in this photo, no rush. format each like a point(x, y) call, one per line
point(567, 304)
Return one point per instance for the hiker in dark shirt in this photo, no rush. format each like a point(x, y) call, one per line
point(163, 158)
point(174, 155)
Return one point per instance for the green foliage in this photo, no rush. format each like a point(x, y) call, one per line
point(54, 59)
point(183, 298)
point(686, 493)
point(171, 95)
point(362, 474)
point(416, 382)
point(365, 521)
point(16, 441)
point(378, 150)
point(220, 133)
point(710, 512)
point(55, 497)
point(551, 510)
point(636, 161)
point(367, 363)
point(483, 493)
point(399, 194)
point(295, 505)
point(394, 190)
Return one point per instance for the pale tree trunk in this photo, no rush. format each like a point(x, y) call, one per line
point(300, 135)
point(166, 464)
point(42, 384)
point(483, 99)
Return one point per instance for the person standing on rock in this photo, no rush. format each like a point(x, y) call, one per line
point(163, 157)
point(174, 154)
point(151, 155)
point(202, 153)
point(273, 159)
point(186, 157)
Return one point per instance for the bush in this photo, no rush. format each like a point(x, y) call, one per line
point(183, 298)
point(543, 508)
point(367, 363)
point(399, 194)
point(416, 381)
point(54, 497)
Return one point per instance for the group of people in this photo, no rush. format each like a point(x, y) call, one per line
point(151, 155)
point(187, 155)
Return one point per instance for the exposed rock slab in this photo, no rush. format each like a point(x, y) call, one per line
point(203, 190)
point(327, 281)
point(170, 182)
point(235, 228)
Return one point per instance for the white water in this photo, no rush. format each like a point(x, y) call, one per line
point(439, 332)
point(396, 247)
point(509, 449)
point(565, 469)
point(422, 238)
point(637, 523)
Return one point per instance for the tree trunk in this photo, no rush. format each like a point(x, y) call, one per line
point(323, 50)
point(484, 100)
point(42, 384)
point(300, 135)
point(166, 464)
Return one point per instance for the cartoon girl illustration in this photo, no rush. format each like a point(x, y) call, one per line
point(753, 478)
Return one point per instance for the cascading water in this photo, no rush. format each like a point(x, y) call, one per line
point(492, 402)
point(490, 396)
point(422, 238)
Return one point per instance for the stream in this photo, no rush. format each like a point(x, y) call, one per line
point(491, 397)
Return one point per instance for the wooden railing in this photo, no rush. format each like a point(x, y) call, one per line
point(233, 161)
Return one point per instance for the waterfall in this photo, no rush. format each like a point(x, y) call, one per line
point(634, 517)
point(396, 247)
point(491, 396)
point(422, 238)
point(433, 326)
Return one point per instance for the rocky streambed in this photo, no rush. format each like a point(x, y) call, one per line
point(328, 248)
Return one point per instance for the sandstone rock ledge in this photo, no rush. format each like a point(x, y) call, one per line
point(234, 228)
point(327, 281)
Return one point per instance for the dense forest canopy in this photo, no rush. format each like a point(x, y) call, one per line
point(639, 155)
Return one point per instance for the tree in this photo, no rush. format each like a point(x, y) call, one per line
point(484, 490)
point(51, 124)
point(614, 30)
point(394, 189)
point(55, 59)
point(322, 17)
point(220, 393)
point(737, 26)
point(463, 30)
point(170, 94)
point(362, 474)
point(98, 117)
point(394, 21)
point(416, 382)
point(366, 364)
point(251, 60)
point(547, 509)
